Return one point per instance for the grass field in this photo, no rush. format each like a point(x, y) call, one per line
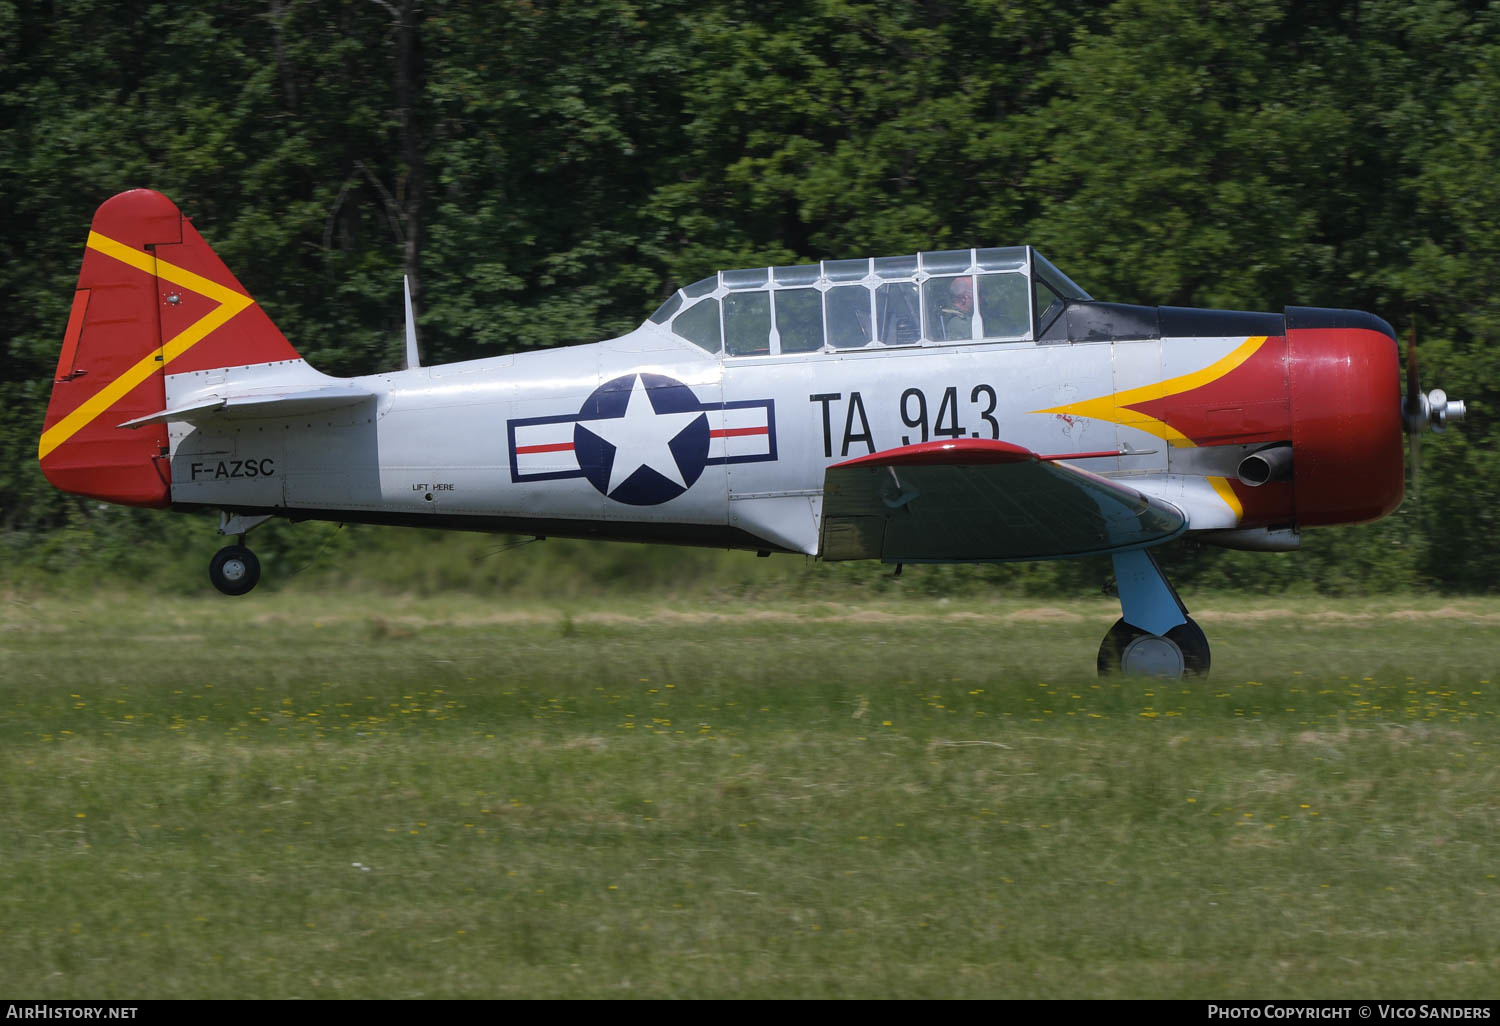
point(305, 795)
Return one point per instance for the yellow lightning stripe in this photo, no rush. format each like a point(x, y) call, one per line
point(230, 303)
point(1223, 491)
point(1110, 408)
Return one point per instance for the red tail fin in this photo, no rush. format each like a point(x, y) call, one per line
point(153, 299)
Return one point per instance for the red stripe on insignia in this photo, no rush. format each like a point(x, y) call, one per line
point(736, 432)
point(522, 450)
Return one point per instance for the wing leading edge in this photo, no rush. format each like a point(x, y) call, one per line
point(975, 500)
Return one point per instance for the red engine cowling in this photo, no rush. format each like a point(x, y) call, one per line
point(1344, 374)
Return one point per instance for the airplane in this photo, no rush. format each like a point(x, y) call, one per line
point(966, 405)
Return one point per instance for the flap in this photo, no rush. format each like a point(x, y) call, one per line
point(975, 500)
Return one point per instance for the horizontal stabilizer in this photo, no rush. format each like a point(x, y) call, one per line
point(247, 407)
point(975, 500)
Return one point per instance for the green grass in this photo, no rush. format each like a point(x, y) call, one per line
point(328, 795)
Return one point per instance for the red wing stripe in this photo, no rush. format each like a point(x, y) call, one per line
point(522, 450)
point(1107, 454)
point(960, 452)
point(737, 432)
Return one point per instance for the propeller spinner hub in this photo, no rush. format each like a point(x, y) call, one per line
point(1423, 412)
point(1433, 411)
point(1439, 409)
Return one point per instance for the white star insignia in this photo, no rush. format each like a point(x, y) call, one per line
point(642, 438)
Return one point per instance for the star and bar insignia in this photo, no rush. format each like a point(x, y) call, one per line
point(641, 439)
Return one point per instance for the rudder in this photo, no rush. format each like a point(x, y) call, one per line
point(153, 298)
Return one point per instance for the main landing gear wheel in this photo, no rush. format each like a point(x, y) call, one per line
point(234, 570)
point(1128, 650)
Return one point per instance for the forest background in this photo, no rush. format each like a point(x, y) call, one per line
point(547, 173)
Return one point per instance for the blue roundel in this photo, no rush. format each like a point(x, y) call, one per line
point(656, 444)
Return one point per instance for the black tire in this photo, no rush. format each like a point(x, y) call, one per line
point(234, 570)
point(1187, 637)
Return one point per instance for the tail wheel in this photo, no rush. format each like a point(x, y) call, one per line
point(1181, 652)
point(234, 570)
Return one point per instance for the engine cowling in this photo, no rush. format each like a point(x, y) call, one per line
point(1344, 377)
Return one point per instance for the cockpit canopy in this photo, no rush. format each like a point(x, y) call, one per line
point(943, 297)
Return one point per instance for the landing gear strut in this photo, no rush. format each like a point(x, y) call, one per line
point(234, 570)
point(1155, 637)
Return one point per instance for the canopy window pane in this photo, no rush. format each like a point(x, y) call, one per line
point(898, 319)
point(1003, 305)
point(1009, 258)
point(701, 287)
point(1061, 283)
point(896, 267)
point(700, 325)
point(948, 261)
point(747, 279)
point(666, 310)
point(798, 274)
point(848, 316)
point(799, 320)
point(1049, 307)
point(845, 270)
point(747, 324)
point(949, 305)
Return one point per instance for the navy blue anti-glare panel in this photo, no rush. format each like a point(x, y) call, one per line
point(1188, 322)
point(1305, 317)
point(1111, 322)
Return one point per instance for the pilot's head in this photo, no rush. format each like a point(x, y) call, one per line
point(963, 293)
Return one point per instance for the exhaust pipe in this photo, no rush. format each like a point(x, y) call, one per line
point(1273, 463)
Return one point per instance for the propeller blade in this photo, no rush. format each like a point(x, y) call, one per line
point(1423, 413)
point(1414, 415)
point(1413, 405)
point(1414, 464)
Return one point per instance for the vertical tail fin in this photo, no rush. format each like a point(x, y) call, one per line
point(153, 298)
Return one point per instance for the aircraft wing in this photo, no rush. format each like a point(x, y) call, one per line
point(978, 500)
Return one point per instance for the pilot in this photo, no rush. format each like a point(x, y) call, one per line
point(958, 315)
